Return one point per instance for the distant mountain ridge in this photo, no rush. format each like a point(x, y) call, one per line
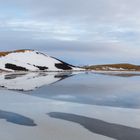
point(114, 67)
point(31, 60)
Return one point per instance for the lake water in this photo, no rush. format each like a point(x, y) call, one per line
point(70, 106)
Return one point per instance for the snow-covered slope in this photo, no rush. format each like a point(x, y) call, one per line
point(30, 60)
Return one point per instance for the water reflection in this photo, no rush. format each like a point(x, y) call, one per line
point(30, 81)
point(120, 74)
point(116, 131)
point(16, 118)
point(83, 88)
point(95, 89)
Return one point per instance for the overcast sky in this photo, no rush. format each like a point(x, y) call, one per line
point(77, 31)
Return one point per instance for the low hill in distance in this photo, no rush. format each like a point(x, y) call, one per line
point(31, 60)
point(114, 67)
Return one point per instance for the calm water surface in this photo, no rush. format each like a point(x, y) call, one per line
point(66, 106)
point(121, 90)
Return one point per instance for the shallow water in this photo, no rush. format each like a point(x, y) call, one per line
point(65, 106)
point(95, 89)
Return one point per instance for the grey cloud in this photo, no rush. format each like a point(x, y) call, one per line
point(95, 10)
point(97, 29)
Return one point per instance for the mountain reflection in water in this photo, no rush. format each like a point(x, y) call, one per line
point(118, 90)
point(30, 81)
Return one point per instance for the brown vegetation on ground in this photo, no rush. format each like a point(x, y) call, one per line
point(124, 66)
point(15, 51)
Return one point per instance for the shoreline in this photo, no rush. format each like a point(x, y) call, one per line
point(93, 71)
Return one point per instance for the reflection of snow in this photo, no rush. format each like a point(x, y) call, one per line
point(30, 81)
point(97, 99)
